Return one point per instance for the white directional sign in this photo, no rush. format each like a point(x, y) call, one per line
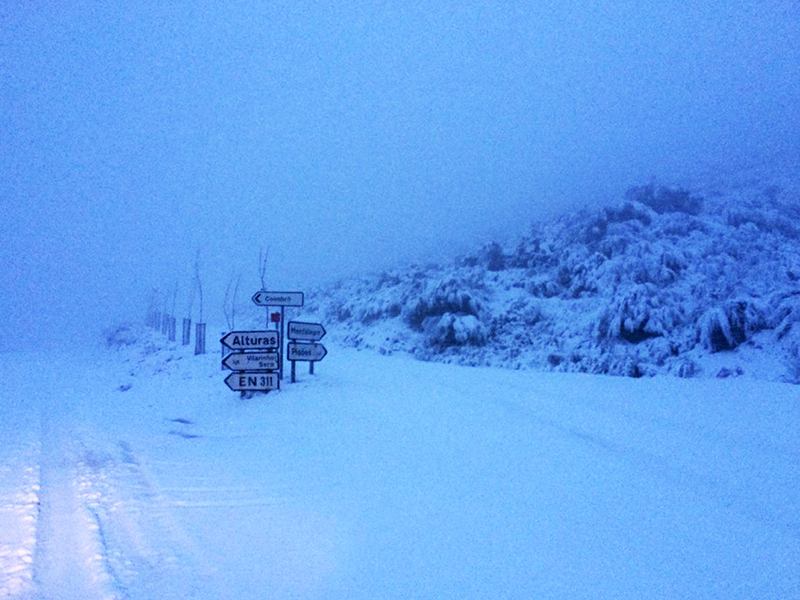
point(252, 361)
point(311, 332)
point(253, 382)
point(251, 340)
point(265, 298)
point(312, 352)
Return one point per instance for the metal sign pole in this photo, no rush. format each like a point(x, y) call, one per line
point(282, 350)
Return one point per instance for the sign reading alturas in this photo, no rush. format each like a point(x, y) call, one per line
point(251, 340)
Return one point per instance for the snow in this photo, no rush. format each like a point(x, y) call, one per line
point(132, 471)
point(135, 473)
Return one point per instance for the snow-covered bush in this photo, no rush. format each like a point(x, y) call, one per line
point(455, 295)
point(492, 257)
point(665, 200)
point(726, 327)
point(638, 313)
point(122, 335)
point(454, 330)
point(542, 285)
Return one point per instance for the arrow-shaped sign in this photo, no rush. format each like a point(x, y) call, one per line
point(251, 340)
point(265, 298)
point(312, 352)
point(252, 361)
point(311, 332)
point(246, 382)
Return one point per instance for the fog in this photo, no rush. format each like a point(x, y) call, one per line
point(346, 135)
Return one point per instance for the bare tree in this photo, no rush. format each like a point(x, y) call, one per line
point(152, 309)
point(229, 304)
point(262, 266)
point(199, 283)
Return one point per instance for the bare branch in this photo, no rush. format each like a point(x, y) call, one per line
point(262, 267)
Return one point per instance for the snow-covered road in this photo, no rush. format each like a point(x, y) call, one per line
point(139, 475)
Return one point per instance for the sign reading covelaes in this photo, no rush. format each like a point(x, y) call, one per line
point(251, 340)
point(310, 332)
point(265, 298)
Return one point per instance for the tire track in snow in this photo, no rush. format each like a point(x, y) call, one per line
point(70, 559)
point(19, 507)
point(145, 548)
point(102, 529)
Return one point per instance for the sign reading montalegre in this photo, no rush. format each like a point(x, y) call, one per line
point(310, 332)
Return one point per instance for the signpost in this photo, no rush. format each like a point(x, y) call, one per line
point(283, 299)
point(303, 345)
point(256, 355)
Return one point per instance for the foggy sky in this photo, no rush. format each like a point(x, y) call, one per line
point(346, 135)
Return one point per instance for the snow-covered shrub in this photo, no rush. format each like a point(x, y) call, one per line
point(454, 295)
point(381, 309)
point(542, 285)
point(492, 257)
point(726, 327)
point(665, 200)
point(533, 253)
point(630, 210)
point(340, 311)
point(371, 299)
point(687, 368)
point(454, 330)
point(765, 219)
point(638, 313)
point(122, 335)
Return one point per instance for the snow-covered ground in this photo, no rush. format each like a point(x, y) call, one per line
point(135, 473)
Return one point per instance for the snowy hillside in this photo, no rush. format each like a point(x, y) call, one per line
point(700, 279)
point(136, 474)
